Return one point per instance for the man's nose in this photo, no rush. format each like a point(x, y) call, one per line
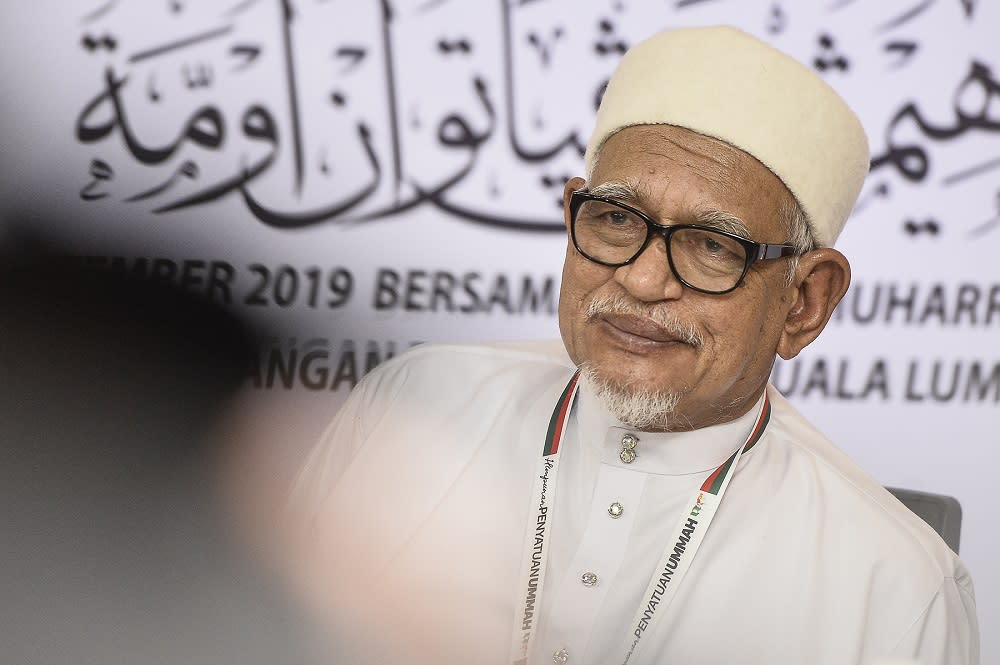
point(649, 278)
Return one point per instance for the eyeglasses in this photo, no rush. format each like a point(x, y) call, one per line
point(702, 258)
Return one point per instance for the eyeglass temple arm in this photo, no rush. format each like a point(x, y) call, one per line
point(774, 251)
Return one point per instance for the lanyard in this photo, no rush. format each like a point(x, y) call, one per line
point(684, 542)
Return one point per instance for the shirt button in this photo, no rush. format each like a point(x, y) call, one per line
point(560, 657)
point(629, 442)
point(588, 579)
point(616, 509)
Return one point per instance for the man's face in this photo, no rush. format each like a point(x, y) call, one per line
point(681, 178)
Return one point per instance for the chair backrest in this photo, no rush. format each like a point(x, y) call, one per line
point(943, 513)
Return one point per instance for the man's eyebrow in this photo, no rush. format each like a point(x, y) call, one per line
point(625, 191)
point(724, 221)
point(630, 192)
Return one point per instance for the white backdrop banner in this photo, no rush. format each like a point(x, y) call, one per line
point(365, 176)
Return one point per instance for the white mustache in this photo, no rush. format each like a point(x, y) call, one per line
point(604, 305)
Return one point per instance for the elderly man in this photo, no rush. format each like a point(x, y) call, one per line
point(649, 499)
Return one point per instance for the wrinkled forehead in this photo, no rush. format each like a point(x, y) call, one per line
point(650, 138)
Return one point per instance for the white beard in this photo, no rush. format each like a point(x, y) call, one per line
point(643, 409)
point(638, 407)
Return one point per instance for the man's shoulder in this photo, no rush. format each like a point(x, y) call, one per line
point(856, 502)
point(468, 362)
point(432, 377)
point(546, 351)
point(438, 402)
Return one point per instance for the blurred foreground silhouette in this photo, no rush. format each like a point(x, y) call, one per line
point(115, 548)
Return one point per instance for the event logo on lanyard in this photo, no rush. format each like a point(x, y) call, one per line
point(533, 567)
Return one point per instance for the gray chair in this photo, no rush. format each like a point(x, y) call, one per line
point(943, 513)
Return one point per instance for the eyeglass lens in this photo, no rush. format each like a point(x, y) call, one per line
point(703, 258)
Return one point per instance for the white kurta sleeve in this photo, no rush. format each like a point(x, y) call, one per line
point(947, 632)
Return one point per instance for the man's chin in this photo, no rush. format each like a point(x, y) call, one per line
point(631, 374)
point(630, 401)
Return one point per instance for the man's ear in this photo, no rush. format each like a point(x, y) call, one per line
point(572, 185)
point(821, 280)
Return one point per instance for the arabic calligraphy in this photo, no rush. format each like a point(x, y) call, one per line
point(911, 160)
point(272, 139)
point(829, 56)
point(396, 108)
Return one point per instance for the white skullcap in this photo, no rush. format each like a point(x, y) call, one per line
point(723, 83)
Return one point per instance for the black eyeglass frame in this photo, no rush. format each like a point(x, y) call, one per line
point(755, 251)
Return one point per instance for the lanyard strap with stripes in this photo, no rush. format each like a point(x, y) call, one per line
point(684, 542)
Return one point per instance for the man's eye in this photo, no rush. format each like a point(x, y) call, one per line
point(619, 218)
point(714, 246)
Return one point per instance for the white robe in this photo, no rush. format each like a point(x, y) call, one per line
point(419, 495)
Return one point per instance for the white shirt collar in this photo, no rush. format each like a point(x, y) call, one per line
point(665, 453)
